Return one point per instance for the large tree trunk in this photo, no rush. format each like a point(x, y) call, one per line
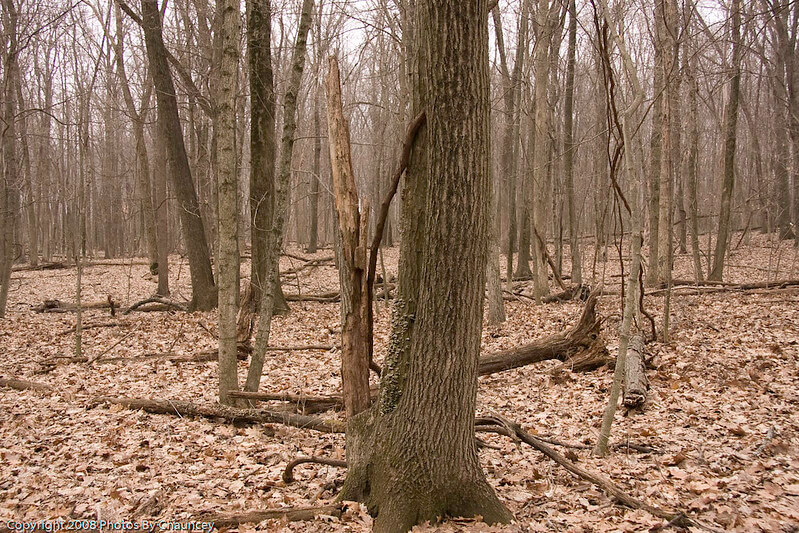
point(399, 463)
point(730, 126)
point(262, 139)
point(228, 256)
point(692, 161)
point(202, 279)
point(272, 293)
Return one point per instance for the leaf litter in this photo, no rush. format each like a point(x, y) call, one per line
point(722, 410)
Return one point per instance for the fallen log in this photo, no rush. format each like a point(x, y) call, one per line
point(57, 306)
point(309, 264)
point(714, 287)
point(304, 404)
point(289, 514)
point(572, 292)
point(582, 339)
point(229, 414)
point(635, 382)
point(53, 265)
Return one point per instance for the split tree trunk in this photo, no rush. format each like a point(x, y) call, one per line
point(353, 231)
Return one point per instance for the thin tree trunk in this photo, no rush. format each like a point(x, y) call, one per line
point(570, 148)
point(228, 256)
point(277, 220)
point(730, 126)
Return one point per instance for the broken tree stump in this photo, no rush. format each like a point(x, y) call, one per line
point(635, 382)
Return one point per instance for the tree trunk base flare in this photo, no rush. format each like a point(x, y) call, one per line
point(635, 382)
point(389, 485)
point(582, 339)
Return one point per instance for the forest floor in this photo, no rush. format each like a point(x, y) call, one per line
point(723, 408)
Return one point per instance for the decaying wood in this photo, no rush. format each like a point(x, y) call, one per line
point(288, 473)
point(635, 382)
point(581, 339)
point(165, 302)
point(304, 404)
point(353, 220)
point(289, 514)
point(58, 306)
point(713, 287)
point(229, 414)
point(54, 265)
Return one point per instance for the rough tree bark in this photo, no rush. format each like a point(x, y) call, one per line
point(228, 257)
point(400, 464)
point(9, 201)
point(202, 279)
point(262, 139)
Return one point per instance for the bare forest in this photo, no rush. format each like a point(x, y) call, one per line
point(393, 265)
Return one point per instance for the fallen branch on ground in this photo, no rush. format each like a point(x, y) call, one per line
point(288, 473)
point(54, 265)
point(304, 404)
point(168, 304)
point(513, 430)
point(230, 414)
point(289, 514)
point(702, 287)
point(22, 385)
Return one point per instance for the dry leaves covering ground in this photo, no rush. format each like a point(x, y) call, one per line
point(722, 409)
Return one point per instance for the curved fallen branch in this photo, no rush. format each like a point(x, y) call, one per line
point(288, 473)
point(513, 430)
point(169, 304)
